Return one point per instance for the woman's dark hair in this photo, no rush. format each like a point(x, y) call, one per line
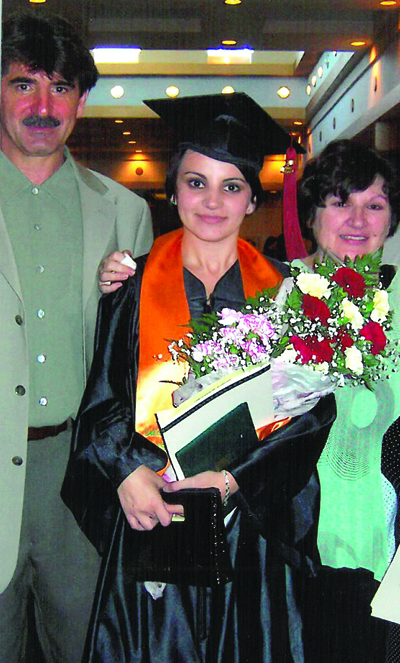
point(250, 173)
point(48, 44)
point(342, 168)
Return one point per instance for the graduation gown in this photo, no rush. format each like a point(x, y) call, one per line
point(256, 617)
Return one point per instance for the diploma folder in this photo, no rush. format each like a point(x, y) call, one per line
point(217, 426)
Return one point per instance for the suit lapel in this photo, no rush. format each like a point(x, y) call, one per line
point(8, 265)
point(98, 215)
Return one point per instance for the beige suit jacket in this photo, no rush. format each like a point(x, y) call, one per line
point(113, 218)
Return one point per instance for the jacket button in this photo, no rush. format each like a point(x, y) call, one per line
point(17, 460)
point(20, 390)
point(19, 319)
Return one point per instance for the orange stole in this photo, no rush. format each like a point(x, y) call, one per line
point(163, 315)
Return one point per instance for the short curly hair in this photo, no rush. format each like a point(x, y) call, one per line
point(342, 168)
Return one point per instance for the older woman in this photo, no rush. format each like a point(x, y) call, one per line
point(350, 199)
point(253, 615)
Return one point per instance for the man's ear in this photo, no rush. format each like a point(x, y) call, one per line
point(81, 104)
point(251, 206)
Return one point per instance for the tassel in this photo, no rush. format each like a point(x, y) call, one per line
point(294, 243)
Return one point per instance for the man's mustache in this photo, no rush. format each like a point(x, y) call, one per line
point(48, 122)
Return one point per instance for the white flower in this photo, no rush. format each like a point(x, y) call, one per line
point(289, 354)
point(351, 312)
point(381, 306)
point(323, 367)
point(313, 284)
point(354, 360)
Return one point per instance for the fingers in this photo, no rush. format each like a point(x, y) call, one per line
point(116, 268)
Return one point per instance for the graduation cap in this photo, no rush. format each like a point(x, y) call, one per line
point(227, 127)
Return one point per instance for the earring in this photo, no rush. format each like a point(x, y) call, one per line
point(173, 199)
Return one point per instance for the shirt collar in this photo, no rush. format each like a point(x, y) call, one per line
point(14, 182)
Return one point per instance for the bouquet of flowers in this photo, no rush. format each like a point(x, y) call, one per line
point(337, 321)
point(334, 322)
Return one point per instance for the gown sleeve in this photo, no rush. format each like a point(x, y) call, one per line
point(279, 488)
point(105, 446)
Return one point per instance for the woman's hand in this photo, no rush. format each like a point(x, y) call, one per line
point(204, 480)
point(141, 500)
point(112, 272)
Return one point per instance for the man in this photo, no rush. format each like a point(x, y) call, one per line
point(58, 221)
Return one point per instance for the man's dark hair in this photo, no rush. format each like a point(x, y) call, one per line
point(342, 168)
point(48, 44)
point(249, 173)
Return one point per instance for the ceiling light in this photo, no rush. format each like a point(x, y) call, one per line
point(314, 80)
point(118, 121)
point(138, 150)
point(320, 71)
point(126, 133)
point(229, 42)
point(388, 3)
point(283, 92)
point(228, 89)
point(229, 55)
point(308, 89)
point(172, 91)
point(358, 43)
point(117, 91)
point(132, 142)
point(298, 123)
point(232, 2)
point(37, 2)
point(116, 55)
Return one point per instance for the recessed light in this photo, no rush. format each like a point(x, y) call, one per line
point(388, 3)
point(228, 89)
point(118, 121)
point(314, 80)
point(320, 71)
point(298, 123)
point(132, 142)
point(116, 55)
point(358, 43)
point(172, 91)
point(229, 42)
point(126, 133)
point(232, 2)
point(283, 92)
point(37, 2)
point(117, 91)
point(308, 89)
point(138, 150)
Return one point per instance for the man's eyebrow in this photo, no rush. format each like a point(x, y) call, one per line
point(21, 79)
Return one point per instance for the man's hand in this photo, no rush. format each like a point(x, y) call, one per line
point(141, 500)
point(113, 272)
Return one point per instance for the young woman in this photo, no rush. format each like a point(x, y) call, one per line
point(273, 492)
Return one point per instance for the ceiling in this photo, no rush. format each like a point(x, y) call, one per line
point(310, 26)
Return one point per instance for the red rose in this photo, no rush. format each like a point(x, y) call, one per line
point(315, 308)
point(310, 349)
point(344, 338)
point(373, 332)
point(351, 281)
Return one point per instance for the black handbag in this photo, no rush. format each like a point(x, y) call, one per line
point(193, 551)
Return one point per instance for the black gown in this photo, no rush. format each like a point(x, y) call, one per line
point(255, 618)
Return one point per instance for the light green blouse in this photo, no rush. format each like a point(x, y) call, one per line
point(354, 519)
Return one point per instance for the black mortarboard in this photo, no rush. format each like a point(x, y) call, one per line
point(227, 127)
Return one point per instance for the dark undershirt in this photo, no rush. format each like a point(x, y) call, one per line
point(228, 292)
